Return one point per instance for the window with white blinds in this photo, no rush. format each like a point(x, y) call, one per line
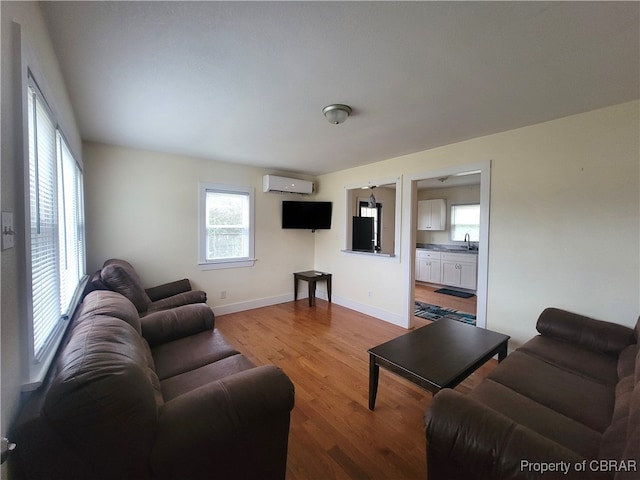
point(56, 221)
point(71, 221)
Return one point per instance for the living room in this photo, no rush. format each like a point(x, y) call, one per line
point(564, 224)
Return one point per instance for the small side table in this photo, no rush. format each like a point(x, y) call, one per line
point(311, 277)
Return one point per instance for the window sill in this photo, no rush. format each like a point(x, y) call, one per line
point(233, 263)
point(38, 370)
point(373, 254)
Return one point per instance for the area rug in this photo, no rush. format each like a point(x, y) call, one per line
point(433, 312)
point(455, 293)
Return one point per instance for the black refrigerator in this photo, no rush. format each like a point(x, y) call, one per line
point(362, 237)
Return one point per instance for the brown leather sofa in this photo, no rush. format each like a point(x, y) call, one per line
point(159, 397)
point(566, 404)
point(120, 276)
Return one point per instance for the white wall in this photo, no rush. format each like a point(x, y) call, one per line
point(564, 225)
point(143, 207)
point(24, 40)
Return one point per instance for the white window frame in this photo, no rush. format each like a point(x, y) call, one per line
point(61, 304)
point(237, 262)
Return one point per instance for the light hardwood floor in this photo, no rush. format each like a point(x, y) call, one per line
point(426, 293)
point(333, 434)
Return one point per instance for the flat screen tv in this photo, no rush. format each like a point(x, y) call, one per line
point(307, 215)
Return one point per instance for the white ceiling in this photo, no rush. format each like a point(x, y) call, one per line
point(449, 181)
point(246, 81)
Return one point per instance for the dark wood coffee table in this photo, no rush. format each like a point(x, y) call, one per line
point(436, 356)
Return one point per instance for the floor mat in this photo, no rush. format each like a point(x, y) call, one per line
point(454, 293)
point(433, 312)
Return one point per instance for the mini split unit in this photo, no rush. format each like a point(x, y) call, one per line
point(273, 183)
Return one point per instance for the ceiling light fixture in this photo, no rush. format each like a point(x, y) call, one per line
point(336, 113)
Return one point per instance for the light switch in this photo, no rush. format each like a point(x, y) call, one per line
point(7, 230)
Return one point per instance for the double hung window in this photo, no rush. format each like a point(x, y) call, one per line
point(226, 226)
point(56, 243)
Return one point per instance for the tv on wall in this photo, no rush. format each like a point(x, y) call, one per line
point(306, 215)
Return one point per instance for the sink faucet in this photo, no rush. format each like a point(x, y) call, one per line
point(467, 240)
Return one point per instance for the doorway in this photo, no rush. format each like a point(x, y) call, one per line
point(464, 185)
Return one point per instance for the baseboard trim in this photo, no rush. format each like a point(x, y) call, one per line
point(365, 309)
point(376, 312)
point(219, 310)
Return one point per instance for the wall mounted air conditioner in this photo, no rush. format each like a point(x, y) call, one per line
point(273, 183)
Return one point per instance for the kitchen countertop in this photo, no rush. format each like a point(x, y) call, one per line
point(447, 248)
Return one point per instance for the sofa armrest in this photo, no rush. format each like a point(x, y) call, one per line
point(168, 289)
point(186, 298)
point(236, 427)
point(597, 335)
point(468, 440)
point(167, 325)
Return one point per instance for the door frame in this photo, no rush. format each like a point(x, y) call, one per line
point(409, 235)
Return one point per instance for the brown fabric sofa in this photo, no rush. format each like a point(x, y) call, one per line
point(566, 404)
point(162, 397)
point(120, 276)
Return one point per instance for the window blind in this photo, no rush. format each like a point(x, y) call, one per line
point(71, 225)
point(43, 223)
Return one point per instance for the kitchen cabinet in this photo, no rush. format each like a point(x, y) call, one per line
point(460, 270)
point(428, 266)
point(432, 214)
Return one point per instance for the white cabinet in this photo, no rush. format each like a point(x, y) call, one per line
point(428, 266)
point(432, 214)
point(460, 270)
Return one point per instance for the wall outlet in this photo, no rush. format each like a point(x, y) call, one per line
point(370, 294)
point(223, 294)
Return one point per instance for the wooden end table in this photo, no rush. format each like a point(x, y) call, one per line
point(311, 277)
point(436, 356)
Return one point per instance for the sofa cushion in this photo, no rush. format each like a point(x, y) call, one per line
point(185, 320)
point(110, 304)
point(582, 399)
point(541, 419)
point(185, 382)
point(567, 356)
point(170, 289)
point(596, 335)
point(189, 353)
point(121, 277)
point(103, 400)
point(179, 299)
